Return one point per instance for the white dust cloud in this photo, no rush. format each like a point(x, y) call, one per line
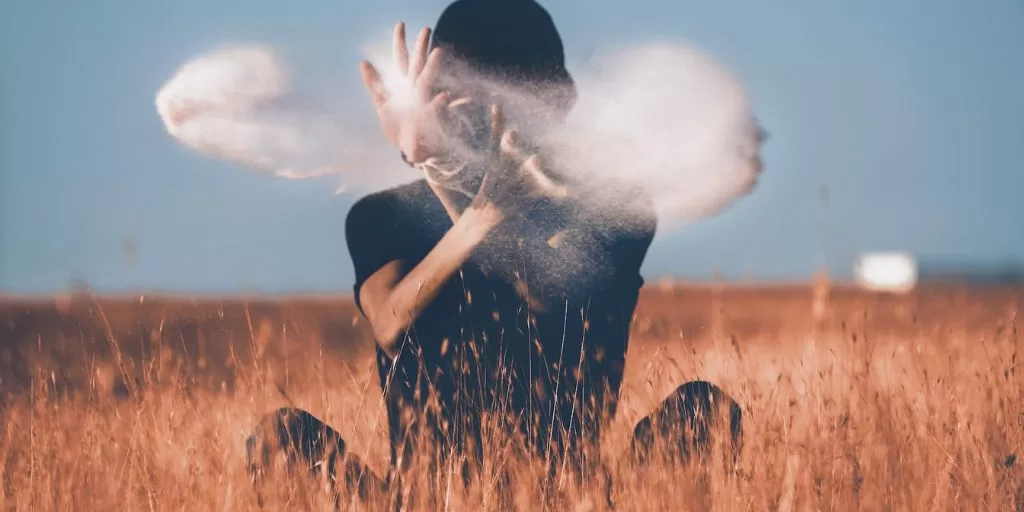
point(660, 116)
point(671, 120)
point(238, 103)
point(655, 125)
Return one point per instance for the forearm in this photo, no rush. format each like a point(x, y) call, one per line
point(502, 252)
point(407, 299)
point(452, 203)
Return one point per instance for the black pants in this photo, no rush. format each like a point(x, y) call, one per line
point(681, 429)
point(446, 406)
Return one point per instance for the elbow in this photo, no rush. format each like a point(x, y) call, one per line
point(388, 329)
point(387, 340)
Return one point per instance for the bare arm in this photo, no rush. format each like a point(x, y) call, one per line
point(392, 302)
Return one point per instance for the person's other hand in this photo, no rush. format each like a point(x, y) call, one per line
point(410, 119)
point(515, 178)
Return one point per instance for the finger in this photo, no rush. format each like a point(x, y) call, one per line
point(497, 130)
point(374, 84)
point(419, 53)
point(533, 168)
point(485, 184)
point(436, 107)
point(439, 102)
point(510, 144)
point(426, 78)
point(399, 49)
point(460, 102)
point(455, 114)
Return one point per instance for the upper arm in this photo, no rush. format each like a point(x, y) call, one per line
point(372, 233)
point(377, 287)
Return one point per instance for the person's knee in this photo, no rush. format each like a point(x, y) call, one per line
point(307, 442)
point(695, 418)
point(294, 433)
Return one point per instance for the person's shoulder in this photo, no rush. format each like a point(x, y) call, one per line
point(411, 191)
point(629, 214)
point(647, 215)
point(375, 207)
point(641, 213)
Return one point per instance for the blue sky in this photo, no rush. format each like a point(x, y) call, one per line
point(910, 115)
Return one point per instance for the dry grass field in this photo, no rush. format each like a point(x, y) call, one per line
point(852, 401)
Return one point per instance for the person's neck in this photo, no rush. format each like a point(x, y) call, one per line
point(454, 203)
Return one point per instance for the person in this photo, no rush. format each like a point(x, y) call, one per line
point(481, 323)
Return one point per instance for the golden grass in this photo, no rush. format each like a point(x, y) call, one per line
point(851, 401)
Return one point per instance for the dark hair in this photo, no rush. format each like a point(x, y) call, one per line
point(513, 40)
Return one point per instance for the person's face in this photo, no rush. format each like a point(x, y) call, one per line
point(469, 120)
point(529, 109)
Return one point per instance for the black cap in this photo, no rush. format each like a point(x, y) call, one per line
point(512, 39)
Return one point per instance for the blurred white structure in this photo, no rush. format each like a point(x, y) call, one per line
point(887, 271)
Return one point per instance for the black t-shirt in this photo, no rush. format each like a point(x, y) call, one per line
point(479, 330)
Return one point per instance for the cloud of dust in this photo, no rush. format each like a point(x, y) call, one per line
point(657, 126)
point(239, 103)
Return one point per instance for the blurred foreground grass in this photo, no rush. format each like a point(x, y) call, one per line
point(852, 401)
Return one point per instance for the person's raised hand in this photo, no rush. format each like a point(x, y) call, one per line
point(515, 178)
point(409, 117)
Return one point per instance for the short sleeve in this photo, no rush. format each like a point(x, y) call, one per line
point(372, 233)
